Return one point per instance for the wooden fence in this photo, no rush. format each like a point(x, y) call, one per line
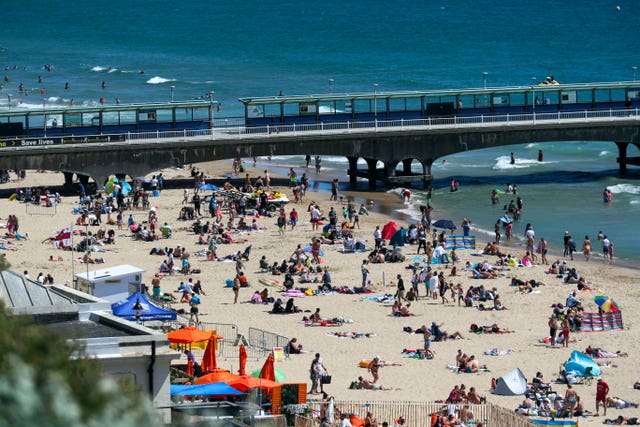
point(416, 414)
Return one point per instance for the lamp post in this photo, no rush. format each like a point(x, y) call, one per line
point(375, 105)
point(533, 95)
point(172, 88)
point(211, 93)
point(331, 86)
point(484, 79)
point(634, 68)
point(44, 110)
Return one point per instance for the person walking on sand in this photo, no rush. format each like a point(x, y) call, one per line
point(236, 289)
point(602, 390)
point(374, 367)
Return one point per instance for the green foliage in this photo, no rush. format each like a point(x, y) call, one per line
point(46, 381)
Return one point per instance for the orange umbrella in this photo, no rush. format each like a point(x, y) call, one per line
point(243, 360)
point(188, 335)
point(244, 383)
point(209, 363)
point(219, 375)
point(268, 372)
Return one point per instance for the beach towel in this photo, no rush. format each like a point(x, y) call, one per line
point(498, 352)
point(599, 322)
point(353, 335)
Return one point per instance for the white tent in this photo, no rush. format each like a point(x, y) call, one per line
point(511, 384)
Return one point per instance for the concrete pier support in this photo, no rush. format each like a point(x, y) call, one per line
point(353, 169)
point(371, 173)
point(68, 178)
point(622, 156)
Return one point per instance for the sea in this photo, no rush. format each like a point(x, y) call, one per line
point(144, 51)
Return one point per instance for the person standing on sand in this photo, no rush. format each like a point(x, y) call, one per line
point(365, 273)
point(553, 329)
point(566, 327)
point(586, 248)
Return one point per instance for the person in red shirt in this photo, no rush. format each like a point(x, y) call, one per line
point(602, 389)
point(293, 218)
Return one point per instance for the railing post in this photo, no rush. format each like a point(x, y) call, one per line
point(322, 128)
point(429, 122)
point(402, 124)
point(184, 135)
point(268, 131)
point(294, 129)
point(508, 118)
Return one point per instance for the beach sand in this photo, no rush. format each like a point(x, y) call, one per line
point(416, 379)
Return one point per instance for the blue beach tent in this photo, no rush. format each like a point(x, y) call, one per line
point(148, 311)
point(582, 365)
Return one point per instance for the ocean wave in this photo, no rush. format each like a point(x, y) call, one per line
point(98, 69)
point(603, 153)
point(504, 163)
point(624, 188)
point(159, 80)
point(112, 70)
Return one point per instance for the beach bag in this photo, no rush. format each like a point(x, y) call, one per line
point(326, 379)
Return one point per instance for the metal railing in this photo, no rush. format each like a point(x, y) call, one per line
point(266, 340)
point(240, 131)
point(415, 413)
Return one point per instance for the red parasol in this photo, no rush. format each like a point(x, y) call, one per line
point(188, 335)
point(209, 363)
point(246, 382)
point(219, 375)
point(243, 360)
point(267, 372)
point(389, 230)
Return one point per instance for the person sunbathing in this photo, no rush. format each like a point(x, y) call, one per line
point(366, 384)
point(599, 353)
point(399, 310)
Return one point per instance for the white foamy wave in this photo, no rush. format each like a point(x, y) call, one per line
point(98, 68)
point(53, 99)
point(159, 80)
point(531, 145)
point(603, 153)
point(624, 188)
point(28, 106)
point(504, 162)
point(112, 70)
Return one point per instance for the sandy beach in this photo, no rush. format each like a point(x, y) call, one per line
point(525, 314)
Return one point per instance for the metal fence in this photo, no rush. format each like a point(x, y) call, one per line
point(267, 340)
point(39, 209)
point(416, 414)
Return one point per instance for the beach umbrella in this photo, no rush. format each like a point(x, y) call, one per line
point(606, 304)
point(444, 223)
point(243, 360)
point(188, 335)
point(219, 375)
point(267, 372)
point(389, 230)
point(209, 363)
point(245, 383)
point(279, 375)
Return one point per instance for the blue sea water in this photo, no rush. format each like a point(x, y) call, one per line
point(250, 48)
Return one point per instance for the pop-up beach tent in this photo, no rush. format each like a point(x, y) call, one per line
point(145, 308)
point(581, 365)
point(511, 384)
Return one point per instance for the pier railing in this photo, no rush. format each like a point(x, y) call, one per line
point(239, 131)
